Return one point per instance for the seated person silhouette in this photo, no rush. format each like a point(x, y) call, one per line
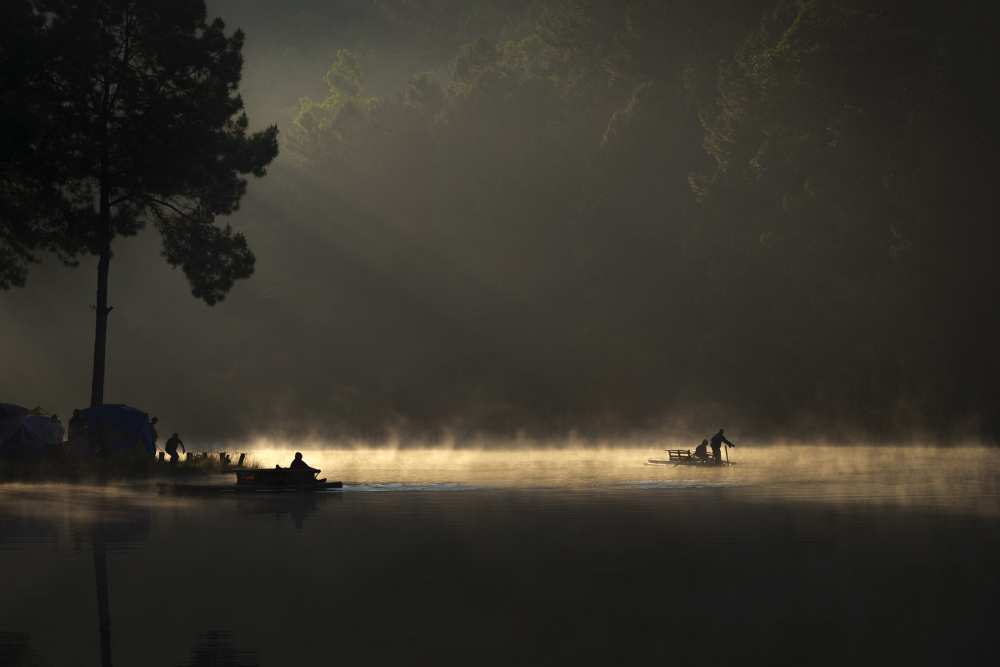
point(701, 451)
point(300, 464)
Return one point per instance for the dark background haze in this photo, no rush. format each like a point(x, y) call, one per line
point(591, 215)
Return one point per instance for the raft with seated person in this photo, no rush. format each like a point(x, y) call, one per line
point(700, 456)
point(282, 479)
point(298, 477)
point(685, 457)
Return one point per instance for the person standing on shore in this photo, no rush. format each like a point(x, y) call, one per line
point(77, 429)
point(172, 443)
point(152, 427)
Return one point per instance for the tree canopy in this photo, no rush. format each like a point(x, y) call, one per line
point(754, 203)
point(133, 116)
point(33, 208)
point(140, 103)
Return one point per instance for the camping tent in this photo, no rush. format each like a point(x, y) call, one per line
point(25, 435)
point(121, 428)
point(11, 417)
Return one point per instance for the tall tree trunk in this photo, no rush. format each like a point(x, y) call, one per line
point(103, 264)
point(100, 329)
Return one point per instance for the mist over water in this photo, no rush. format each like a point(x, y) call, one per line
point(959, 479)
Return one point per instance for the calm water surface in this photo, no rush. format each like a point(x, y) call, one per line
point(795, 556)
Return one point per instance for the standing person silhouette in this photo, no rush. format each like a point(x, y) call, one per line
point(152, 428)
point(172, 443)
point(717, 441)
point(77, 429)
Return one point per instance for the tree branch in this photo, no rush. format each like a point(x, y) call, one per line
point(122, 199)
point(184, 214)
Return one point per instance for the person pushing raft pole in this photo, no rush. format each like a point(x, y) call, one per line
point(717, 441)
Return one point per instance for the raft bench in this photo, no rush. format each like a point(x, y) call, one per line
point(679, 455)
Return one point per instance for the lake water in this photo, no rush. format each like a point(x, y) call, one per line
point(794, 556)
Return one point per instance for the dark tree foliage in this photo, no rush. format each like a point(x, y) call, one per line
point(841, 142)
point(451, 21)
point(153, 117)
point(142, 110)
point(776, 209)
point(33, 209)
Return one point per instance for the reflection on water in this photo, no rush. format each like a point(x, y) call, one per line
point(794, 556)
point(216, 649)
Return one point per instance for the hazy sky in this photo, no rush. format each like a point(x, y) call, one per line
point(543, 264)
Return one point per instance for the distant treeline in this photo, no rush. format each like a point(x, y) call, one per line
point(781, 211)
point(771, 215)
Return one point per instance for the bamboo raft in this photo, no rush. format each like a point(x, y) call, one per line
point(684, 457)
point(263, 480)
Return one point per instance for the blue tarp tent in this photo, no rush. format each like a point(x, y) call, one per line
point(122, 430)
point(24, 435)
point(10, 419)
